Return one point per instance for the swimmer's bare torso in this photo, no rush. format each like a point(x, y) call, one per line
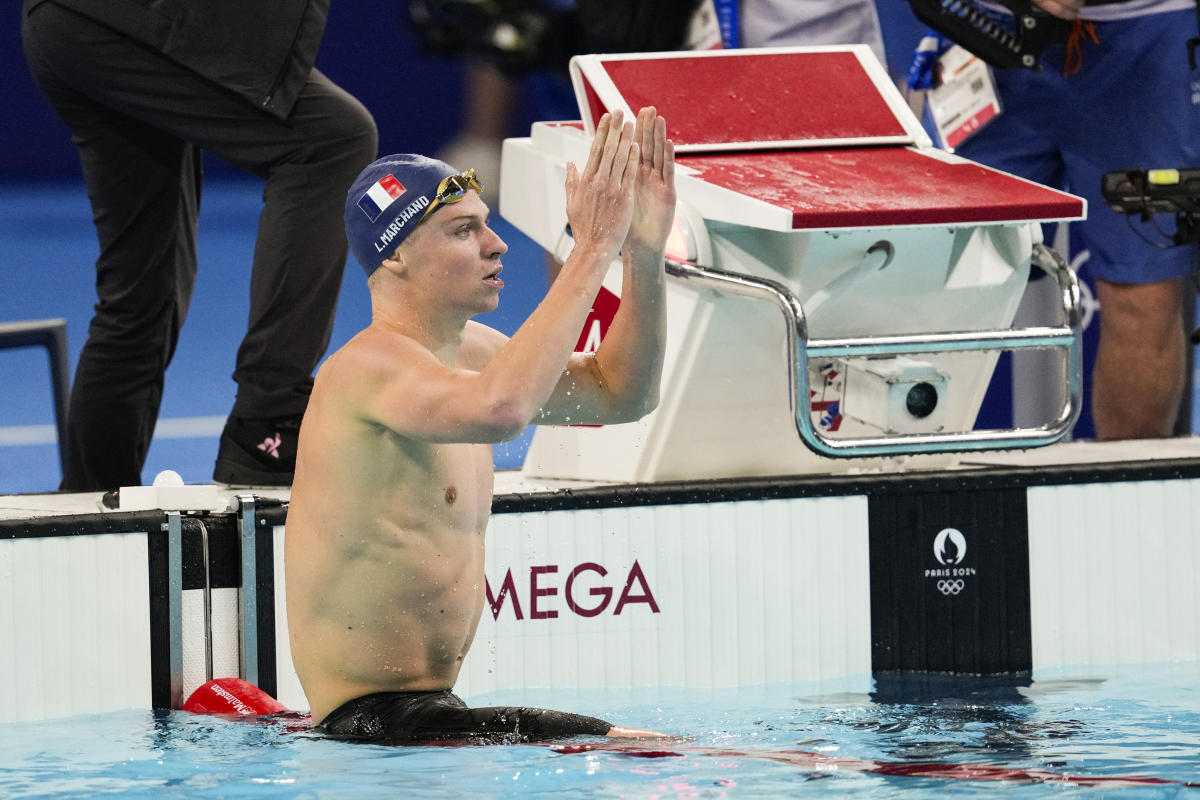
point(393, 486)
point(390, 538)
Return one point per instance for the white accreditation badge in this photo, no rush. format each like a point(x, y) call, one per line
point(965, 100)
point(704, 28)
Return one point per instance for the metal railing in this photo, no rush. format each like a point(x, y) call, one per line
point(1066, 337)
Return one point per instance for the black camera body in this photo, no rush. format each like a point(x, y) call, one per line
point(1000, 41)
point(1147, 192)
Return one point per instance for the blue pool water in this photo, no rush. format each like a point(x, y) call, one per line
point(903, 739)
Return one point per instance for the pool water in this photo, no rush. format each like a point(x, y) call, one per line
point(1133, 735)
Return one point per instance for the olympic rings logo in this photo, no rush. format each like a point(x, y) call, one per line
point(951, 587)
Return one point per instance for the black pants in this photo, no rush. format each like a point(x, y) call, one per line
point(415, 717)
point(140, 123)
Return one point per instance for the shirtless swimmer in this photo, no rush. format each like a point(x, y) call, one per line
point(385, 532)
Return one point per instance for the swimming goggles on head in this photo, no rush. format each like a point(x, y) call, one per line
point(452, 189)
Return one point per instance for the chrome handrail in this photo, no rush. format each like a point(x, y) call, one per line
point(1066, 337)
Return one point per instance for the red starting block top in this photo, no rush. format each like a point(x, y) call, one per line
point(752, 99)
point(820, 132)
point(870, 187)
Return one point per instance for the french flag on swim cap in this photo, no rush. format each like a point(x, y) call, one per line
point(381, 195)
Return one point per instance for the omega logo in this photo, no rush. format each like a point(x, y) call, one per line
point(589, 602)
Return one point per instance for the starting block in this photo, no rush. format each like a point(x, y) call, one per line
point(840, 288)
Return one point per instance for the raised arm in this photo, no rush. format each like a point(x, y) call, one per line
point(620, 381)
point(498, 385)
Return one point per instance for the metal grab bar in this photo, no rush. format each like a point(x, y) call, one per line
point(248, 594)
point(1067, 337)
point(208, 632)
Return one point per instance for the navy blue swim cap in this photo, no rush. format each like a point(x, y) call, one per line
point(386, 202)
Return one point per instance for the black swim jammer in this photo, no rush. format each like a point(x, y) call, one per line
point(413, 717)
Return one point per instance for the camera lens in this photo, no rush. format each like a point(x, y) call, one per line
point(922, 399)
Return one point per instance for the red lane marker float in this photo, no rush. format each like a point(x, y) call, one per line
point(232, 696)
point(238, 699)
point(819, 762)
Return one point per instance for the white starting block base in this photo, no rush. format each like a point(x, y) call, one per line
point(724, 410)
point(840, 209)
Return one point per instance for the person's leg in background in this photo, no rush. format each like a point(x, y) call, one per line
point(1138, 375)
point(1142, 358)
point(1101, 121)
point(309, 162)
point(487, 120)
point(144, 187)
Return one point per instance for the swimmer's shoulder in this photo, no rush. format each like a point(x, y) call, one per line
point(351, 380)
point(376, 355)
point(371, 353)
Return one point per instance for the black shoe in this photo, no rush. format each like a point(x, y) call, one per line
point(258, 452)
